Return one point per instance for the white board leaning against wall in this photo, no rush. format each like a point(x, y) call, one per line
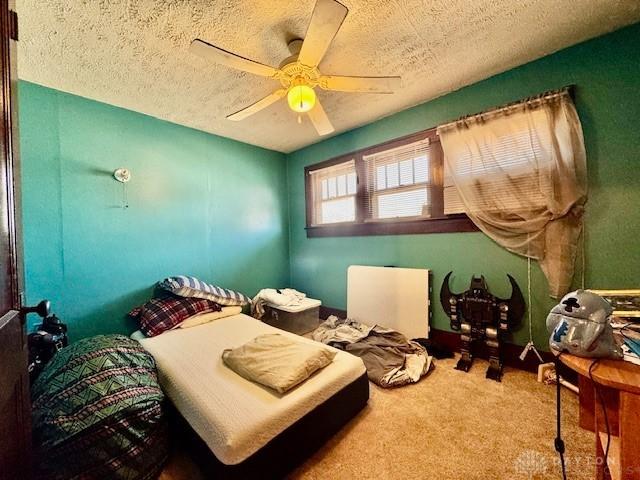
point(391, 297)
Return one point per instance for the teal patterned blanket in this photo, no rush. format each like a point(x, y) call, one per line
point(98, 412)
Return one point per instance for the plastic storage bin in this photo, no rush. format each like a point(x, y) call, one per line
point(299, 319)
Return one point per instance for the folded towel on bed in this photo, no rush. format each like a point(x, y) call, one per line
point(276, 361)
point(201, 318)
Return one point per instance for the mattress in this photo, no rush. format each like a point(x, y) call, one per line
point(234, 416)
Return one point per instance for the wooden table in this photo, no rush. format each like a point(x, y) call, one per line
point(618, 382)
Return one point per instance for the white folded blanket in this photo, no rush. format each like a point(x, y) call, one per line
point(288, 297)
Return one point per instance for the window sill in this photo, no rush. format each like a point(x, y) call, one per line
point(450, 224)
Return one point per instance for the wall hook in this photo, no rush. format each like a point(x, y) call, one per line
point(122, 175)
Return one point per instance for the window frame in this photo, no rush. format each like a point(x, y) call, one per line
point(437, 223)
point(318, 205)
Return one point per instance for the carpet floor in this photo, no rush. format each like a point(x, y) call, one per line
point(450, 425)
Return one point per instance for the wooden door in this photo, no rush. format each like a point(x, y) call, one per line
point(15, 407)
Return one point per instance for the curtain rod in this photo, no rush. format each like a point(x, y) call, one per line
point(570, 89)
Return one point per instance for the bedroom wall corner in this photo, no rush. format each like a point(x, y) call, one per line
point(198, 204)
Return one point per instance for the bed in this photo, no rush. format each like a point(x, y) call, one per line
point(251, 430)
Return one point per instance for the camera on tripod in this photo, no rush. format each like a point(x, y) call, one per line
point(49, 337)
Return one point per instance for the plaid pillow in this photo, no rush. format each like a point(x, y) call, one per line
point(161, 314)
point(192, 287)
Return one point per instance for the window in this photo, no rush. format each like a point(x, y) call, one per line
point(334, 193)
point(395, 187)
point(398, 182)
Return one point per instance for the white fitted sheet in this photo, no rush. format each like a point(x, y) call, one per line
point(234, 416)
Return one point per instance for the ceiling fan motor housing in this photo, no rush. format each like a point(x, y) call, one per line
point(296, 73)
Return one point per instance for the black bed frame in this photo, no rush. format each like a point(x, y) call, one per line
point(288, 449)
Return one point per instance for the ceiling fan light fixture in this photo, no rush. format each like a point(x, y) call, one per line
point(299, 74)
point(301, 98)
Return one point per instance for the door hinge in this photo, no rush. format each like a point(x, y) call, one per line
point(13, 25)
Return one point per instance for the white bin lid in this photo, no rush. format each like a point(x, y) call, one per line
point(305, 304)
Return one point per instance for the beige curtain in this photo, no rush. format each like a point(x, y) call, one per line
point(521, 174)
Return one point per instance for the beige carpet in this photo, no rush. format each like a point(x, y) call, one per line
point(451, 425)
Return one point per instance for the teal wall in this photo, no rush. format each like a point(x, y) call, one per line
point(234, 214)
point(606, 72)
point(198, 205)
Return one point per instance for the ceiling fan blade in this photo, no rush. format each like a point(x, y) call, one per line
point(320, 120)
point(223, 57)
point(326, 20)
point(259, 105)
point(360, 84)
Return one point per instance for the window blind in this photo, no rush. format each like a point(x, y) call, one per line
point(451, 198)
point(398, 183)
point(506, 170)
point(333, 191)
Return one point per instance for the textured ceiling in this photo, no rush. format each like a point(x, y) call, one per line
point(133, 53)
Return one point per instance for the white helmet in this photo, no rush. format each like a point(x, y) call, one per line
point(580, 325)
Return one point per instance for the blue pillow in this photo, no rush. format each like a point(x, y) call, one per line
point(192, 287)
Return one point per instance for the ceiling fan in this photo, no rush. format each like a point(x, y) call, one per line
point(299, 74)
